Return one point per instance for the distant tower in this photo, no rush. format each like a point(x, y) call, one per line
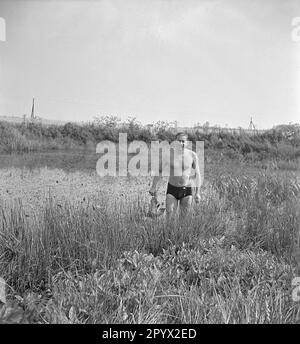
point(251, 125)
point(32, 110)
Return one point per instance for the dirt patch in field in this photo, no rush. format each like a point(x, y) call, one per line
point(33, 187)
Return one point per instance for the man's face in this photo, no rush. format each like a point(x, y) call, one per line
point(182, 139)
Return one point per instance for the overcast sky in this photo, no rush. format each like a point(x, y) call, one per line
point(221, 61)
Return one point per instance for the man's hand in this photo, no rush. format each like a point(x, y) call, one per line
point(197, 198)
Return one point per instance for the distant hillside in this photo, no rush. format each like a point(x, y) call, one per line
point(17, 119)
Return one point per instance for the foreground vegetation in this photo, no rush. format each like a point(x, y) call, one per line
point(233, 261)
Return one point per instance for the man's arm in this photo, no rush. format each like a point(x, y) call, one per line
point(154, 186)
point(197, 179)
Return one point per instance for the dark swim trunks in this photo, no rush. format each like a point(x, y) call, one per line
point(179, 191)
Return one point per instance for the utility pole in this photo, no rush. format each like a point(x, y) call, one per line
point(251, 125)
point(32, 111)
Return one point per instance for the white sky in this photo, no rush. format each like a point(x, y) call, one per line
point(221, 61)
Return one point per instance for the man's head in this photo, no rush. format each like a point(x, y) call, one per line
point(182, 138)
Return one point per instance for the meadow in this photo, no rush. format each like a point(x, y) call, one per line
point(77, 248)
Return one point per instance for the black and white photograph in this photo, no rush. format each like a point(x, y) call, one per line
point(149, 165)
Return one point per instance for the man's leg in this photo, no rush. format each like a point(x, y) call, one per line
point(185, 206)
point(171, 205)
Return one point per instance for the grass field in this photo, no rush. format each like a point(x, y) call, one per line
point(75, 248)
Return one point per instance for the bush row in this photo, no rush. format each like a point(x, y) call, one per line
point(282, 143)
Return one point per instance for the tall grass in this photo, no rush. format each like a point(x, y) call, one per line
point(14, 140)
point(232, 261)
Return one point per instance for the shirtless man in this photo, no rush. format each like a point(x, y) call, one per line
point(180, 185)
